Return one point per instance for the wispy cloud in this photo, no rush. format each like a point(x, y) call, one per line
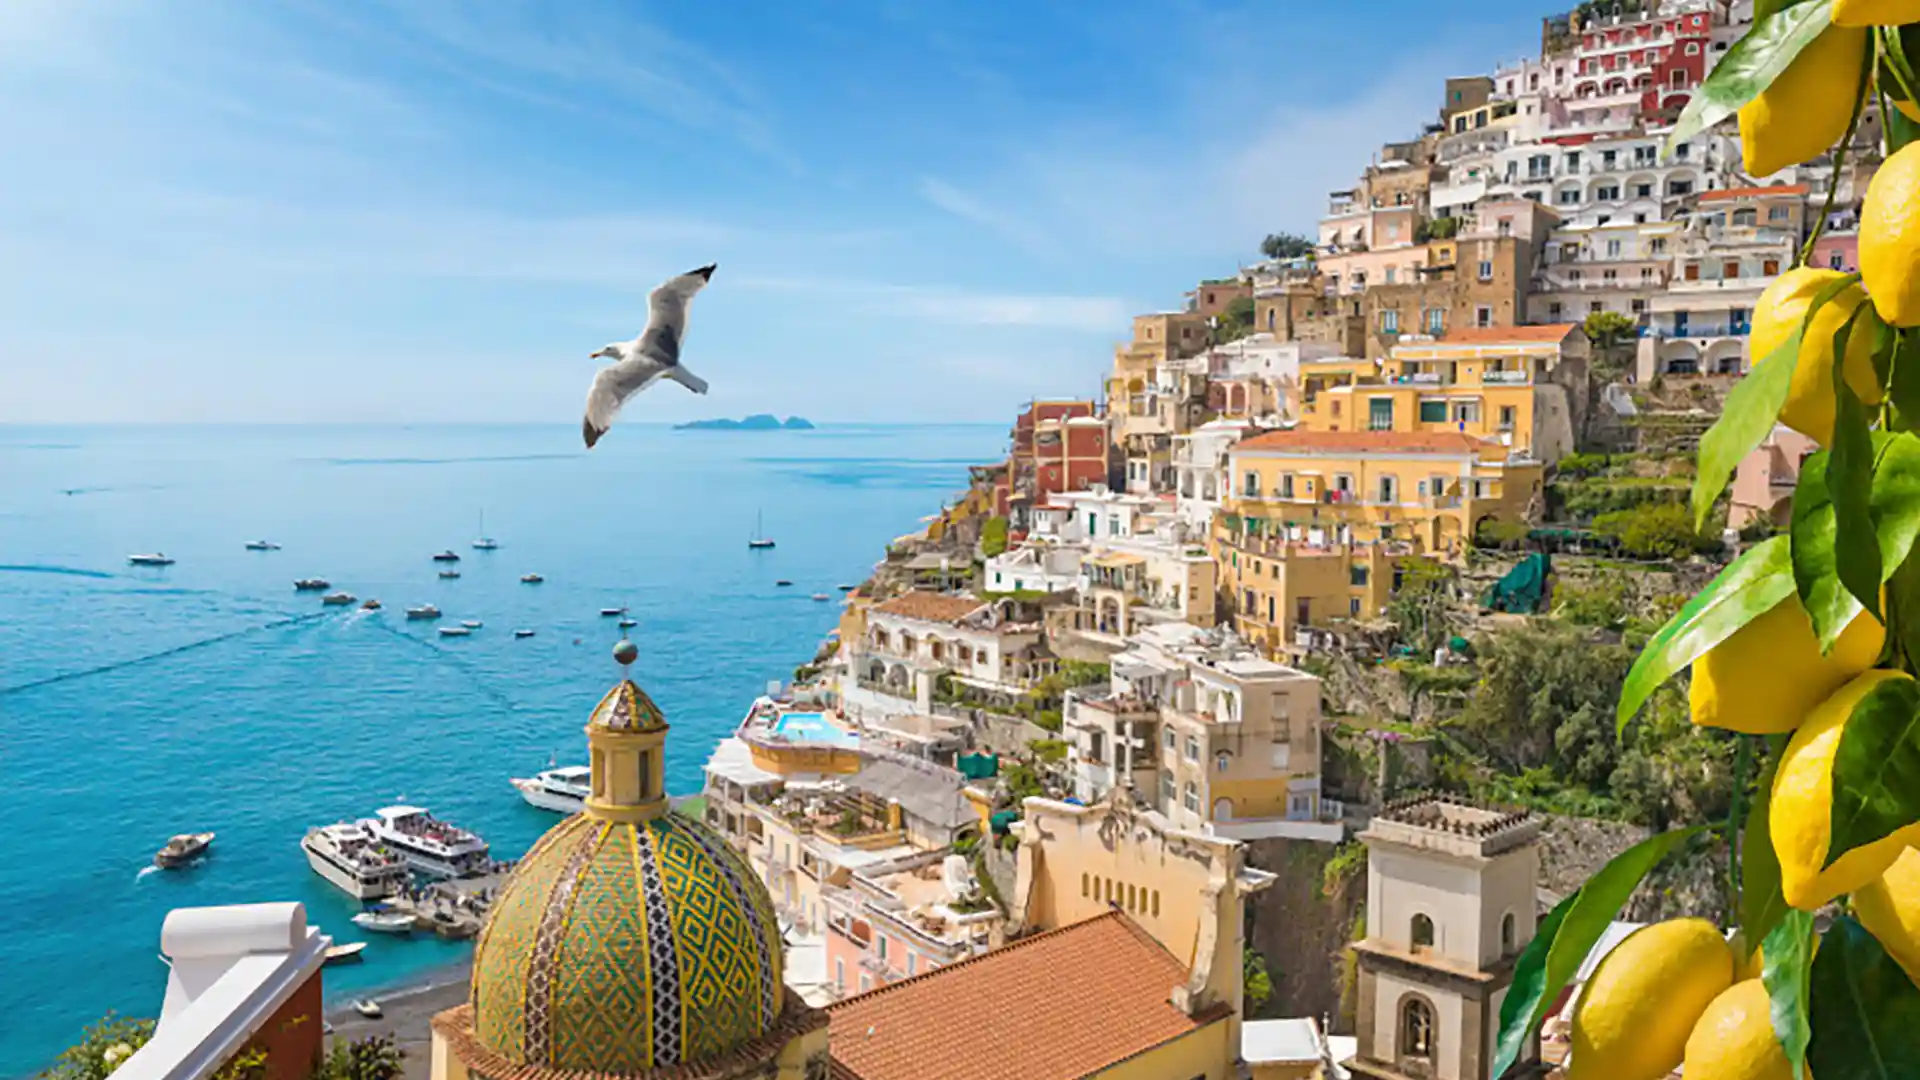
point(1083, 314)
point(967, 208)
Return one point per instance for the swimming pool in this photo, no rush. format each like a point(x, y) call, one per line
point(813, 728)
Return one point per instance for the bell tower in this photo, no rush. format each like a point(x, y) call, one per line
point(1450, 907)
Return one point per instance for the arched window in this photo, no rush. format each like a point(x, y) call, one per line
point(1221, 760)
point(1156, 902)
point(1416, 1030)
point(1422, 932)
point(1506, 934)
point(1133, 898)
point(1083, 885)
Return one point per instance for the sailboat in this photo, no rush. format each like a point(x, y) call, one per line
point(760, 540)
point(485, 543)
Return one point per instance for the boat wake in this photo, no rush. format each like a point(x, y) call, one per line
point(71, 571)
point(144, 871)
point(176, 650)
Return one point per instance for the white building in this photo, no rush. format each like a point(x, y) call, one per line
point(1035, 567)
point(1619, 266)
point(914, 639)
point(1200, 470)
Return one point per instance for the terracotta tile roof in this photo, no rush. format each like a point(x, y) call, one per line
point(1457, 443)
point(1067, 1003)
point(1500, 335)
point(931, 606)
point(1750, 192)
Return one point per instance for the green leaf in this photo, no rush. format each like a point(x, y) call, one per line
point(1747, 415)
point(1749, 587)
point(1761, 903)
point(1849, 476)
point(1565, 937)
point(1751, 65)
point(1905, 388)
point(1895, 503)
point(1789, 960)
point(1876, 770)
point(1816, 572)
point(1865, 1012)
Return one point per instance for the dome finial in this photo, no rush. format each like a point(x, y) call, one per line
point(625, 652)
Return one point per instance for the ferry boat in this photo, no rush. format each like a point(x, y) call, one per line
point(447, 556)
point(424, 611)
point(155, 559)
point(455, 631)
point(351, 860)
point(562, 790)
point(312, 584)
point(262, 545)
point(339, 599)
point(182, 850)
point(428, 844)
point(531, 579)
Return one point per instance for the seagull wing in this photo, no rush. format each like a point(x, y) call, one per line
point(667, 315)
point(611, 388)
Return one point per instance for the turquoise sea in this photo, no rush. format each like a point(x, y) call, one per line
point(136, 703)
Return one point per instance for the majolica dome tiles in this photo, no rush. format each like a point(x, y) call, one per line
point(628, 708)
point(617, 948)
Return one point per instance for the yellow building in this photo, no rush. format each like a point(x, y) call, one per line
point(1338, 487)
point(1281, 586)
point(1523, 387)
point(1146, 395)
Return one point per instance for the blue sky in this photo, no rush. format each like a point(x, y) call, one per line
point(415, 210)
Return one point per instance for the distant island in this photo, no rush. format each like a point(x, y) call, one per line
point(756, 422)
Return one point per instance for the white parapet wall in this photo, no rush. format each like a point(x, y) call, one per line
point(232, 969)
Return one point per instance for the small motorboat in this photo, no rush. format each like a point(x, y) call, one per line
point(471, 624)
point(523, 633)
point(848, 588)
point(782, 583)
point(312, 584)
point(262, 545)
point(449, 575)
point(368, 1008)
point(384, 922)
point(424, 611)
point(182, 850)
point(155, 559)
point(454, 631)
point(760, 545)
point(610, 612)
point(821, 596)
point(628, 624)
point(345, 951)
point(447, 556)
point(531, 579)
point(370, 605)
point(339, 599)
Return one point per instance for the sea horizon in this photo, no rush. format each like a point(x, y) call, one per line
point(140, 702)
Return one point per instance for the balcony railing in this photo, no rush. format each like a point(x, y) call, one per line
point(1690, 331)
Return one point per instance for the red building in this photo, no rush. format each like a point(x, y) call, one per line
point(1058, 446)
point(1660, 58)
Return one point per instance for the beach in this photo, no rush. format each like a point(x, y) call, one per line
point(407, 1011)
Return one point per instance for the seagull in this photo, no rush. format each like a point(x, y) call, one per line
point(655, 354)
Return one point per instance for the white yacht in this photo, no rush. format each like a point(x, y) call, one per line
point(428, 844)
point(155, 559)
point(562, 790)
point(351, 860)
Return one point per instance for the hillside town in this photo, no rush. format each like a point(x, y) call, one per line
point(1203, 734)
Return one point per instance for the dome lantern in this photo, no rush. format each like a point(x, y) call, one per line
point(626, 742)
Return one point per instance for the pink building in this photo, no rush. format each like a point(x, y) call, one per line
point(884, 927)
point(1837, 251)
point(1763, 484)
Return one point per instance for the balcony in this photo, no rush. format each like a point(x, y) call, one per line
point(1691, 332)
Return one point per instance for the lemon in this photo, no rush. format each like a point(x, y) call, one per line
point(1890, 239)
point(1875, 12)
point(1889, 907)
point(1636, 1011)
point(1800, 812)
point(1806, 108)
point(1779, 312)
point(1766, 677)
point(1734, 1038)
